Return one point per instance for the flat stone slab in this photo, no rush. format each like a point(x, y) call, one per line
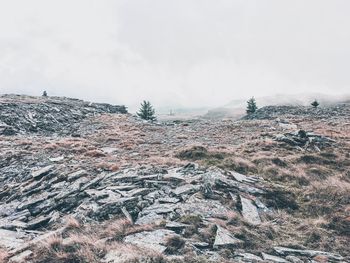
point(151, 218)
point(186, 189)
point(38, 222)
point(224, 238)
point(76, 175)
point(202, 207)
point(21, 257)
point(154, 240)
point(5, 223)
point(171, 200)
point(56, 159)
point(271, 258)
point(42, 172)
point(223, 182)
point(200, 245)
point(250, 211)
point(109, 149)
point(243, 178)
point(159, 209)
point(248, 257)
point(307, 253)
point(175, 225)
point(11, 239)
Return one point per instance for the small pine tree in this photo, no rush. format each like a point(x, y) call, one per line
point(44, 93)
point(146, 111)
point(251, 106)
point(315, 104)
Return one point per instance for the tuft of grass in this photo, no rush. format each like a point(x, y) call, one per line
point(238, 164)
point(194, 153)
point(71, 223)
point(191, 219)
point(277, 161)
point(316, 159)
point(281, 198)
point(78, 248)
point(94, 153)
point(3, 255)
point(175, 244)
point(194, 222)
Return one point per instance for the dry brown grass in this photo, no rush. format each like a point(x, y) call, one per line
point(310, 189)
point(87, 243)
point(163, 161)
point(75, 248)
point(175, 245)
point(131, 254)
point(3, 254)
point(95, 153)
point(107, 166)
point(71, 223)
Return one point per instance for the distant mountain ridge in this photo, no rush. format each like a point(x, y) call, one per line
point(303, 99)
point(236, 108)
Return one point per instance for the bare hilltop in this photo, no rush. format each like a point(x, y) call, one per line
point(90, 182)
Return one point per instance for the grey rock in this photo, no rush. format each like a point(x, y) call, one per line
point(308, 253)
point(294, 259)
point(139, 191)
point(171, 200)
point(175, 226)
point(243, 178)
point(186, 189)
point(203, 207)
point(32, 202)
point(56, 159)
point(11, 239)
point(127, 214)
point(97, 194)
point(150, 218)
point(6, 223)
point(41, 172)
point(76, 175)
point(250, 211)
point(154, 240)
point(48, 116)
point(21, 215)
point(109, 149)
point(224, 238)
point(21, 257)
point(305, 140)
point(159, 209)
point(114, 207)
point(200, 245)
point(38, 222)
point(174, 177)
point(248, 257)
point(93, 182)
point(271, 258)
point(226, 183)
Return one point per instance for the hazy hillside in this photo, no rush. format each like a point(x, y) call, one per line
point(236, 108)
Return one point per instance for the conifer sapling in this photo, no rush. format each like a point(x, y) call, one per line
point(146, 111)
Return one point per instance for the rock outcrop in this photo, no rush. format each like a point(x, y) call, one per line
point(47, 115)
point(273, 112)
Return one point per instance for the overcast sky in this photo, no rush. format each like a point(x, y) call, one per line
point(174, 52)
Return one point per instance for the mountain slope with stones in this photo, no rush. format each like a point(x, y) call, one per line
point(112, 188)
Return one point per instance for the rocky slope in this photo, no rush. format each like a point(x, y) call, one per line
point(271, 112)
point(103, 186)
point(47, 115)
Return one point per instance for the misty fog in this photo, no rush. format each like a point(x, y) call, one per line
point(174, 53)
